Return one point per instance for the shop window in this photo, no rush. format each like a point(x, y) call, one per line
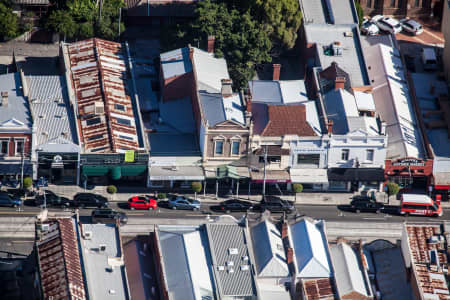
point(308, 159)
point(369, 155)
point(235, 147)
point(270, 159)
point(416, 3)
point(19, 148)
point(338, 185)
point(392, 4)
point(369, 3)
point(345, 154)
point(219, 147)
point(4, 147)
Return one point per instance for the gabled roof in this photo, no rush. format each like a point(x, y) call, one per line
point(17, 112)
point(209, 71)
point(347, 271)
point(282, 120)
point(59, 144)
point(59, 262)
point(269, 251)
point(217, 108)
point(310, 250)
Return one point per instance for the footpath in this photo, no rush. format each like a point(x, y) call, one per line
point(126, 193)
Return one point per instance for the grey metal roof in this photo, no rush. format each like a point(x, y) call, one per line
point(329, 11)
point(269, 251)
point(176, 62)
point(230, 260)
point(351, 60)
point(102, 283)
point(278, 92)
point(186, 264)
point(347, 271)
point(174, 144)
point(178, 114)
point(17, 109)
point(310, 250)
point(53, 116)
point(313, 11)
point(209, 71)
point(218, 109)
point(343, 11)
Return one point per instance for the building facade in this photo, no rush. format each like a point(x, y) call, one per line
point(446, 31)
point(400, 8)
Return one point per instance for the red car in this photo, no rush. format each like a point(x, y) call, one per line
point(142, 202)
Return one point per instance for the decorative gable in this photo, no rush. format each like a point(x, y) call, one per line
point(358, 132)
point(12, 123)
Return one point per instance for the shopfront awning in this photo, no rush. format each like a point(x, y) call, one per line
point(355, 174)
point(442, 180)
point(227, 171)
point(176, 173)
point(279, 176)
point(116, 172)
point(309, 175)
point(15, 168)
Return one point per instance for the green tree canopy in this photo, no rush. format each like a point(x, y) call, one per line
point(392, 188)
point(61, 22)
point(360, 12)
point(9, 25)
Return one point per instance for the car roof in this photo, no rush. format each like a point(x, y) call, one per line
point(416, 198)
point(413, 22)
point(390, 21)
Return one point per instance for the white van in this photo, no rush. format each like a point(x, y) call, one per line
point(429, 59)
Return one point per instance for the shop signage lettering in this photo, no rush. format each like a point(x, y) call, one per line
point(409, 162)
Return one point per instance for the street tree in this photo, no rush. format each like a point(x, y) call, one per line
point(359, 12)
point(9, 24)
point(61, 22)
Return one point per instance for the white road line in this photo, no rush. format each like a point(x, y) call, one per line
point(374, 219)
point(433, 35)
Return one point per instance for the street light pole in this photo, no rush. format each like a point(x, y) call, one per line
point(264, 178)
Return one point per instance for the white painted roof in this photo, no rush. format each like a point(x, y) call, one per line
point(310, 250)
point(393, 101)
point(347, 270)
point(364, 101)
point(210, 71)
point(416, 198)
point(312, 116)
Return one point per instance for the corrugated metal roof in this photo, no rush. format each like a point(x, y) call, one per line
point(230, 260)
point(209, 71)
point(351, 60)
point(310, 250)
point(329, 11)
point(101, 282)
point(186, 264)
point(278, 92)
point(269, 251)
point(105, 109)
point(430, 280)
point(347, 271)
point(218, 109)
point(17, 112)
point(175, 63)
point(32, 2)
point(393, 101)
point(53, 117)
point(59, 262)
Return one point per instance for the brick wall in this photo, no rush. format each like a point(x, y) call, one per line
point(12, 137)
point(398, 8)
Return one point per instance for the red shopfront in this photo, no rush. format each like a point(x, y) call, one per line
point(442, 185)
point(410, 173)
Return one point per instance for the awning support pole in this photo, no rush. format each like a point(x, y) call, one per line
point(217, 188)
point(204, 188)
point(249, 183)
point(237, 189)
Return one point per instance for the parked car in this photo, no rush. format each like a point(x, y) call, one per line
point(276, 204)
point(10, 182)
point(142, 202)
point(416, 204)
point(365, 204)
point(181, 202)
point(387, 24)
point(6, 200)
point(369, 28)
point(51, 199)
point(411, 26)
point(41, 182)
point(89, 200)
point(108, 216)
point(235, 205)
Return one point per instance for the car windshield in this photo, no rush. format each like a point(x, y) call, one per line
point(434, 207)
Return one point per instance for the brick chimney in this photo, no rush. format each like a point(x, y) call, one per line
point(290, 255)
point(211, 42)
point(339, 83)
point(330, 127)
point(5, 99)
point(191, 53)
point(276, 72)
point(227, 89)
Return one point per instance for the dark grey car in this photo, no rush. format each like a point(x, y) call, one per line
point(6, 200)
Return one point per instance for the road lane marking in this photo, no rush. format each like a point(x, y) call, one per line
point(373, 219)
point(27, 241)
point(433, 35)
point(201, 215)
point(136, 214)
point(18, 213)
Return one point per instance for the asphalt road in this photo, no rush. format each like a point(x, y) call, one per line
point(325, 212)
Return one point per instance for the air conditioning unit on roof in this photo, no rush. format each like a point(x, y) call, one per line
point(87, 235)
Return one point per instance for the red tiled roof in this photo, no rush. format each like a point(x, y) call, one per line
point(99, 76)
point(59, 262)
point(287, 119)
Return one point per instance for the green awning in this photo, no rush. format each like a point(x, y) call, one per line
point(133, 170)
point(227, 172)
point(116, 173)
point(95, 170)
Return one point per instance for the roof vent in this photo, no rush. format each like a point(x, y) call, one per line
point(244, 268)
point(112, 292)
point(42, 117)
point(337, 48)
point(230, 263)
point(230, 270)
point(102, 248)
point(87, 235)
point(221, 268)
point(348, 34)
point(45, 227)
point(245, 258)
point(4, 99)
point(233, 251)
point(45, 133)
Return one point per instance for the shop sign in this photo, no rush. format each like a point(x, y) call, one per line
point(129, 156)
point(409, 162)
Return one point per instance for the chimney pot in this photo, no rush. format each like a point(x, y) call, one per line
point(290, 255)
point(211, 42)
point(4, 98)
point(339, 83)
point(276, 72)
point(227, 89)
point(191, 53)
point(330, 127)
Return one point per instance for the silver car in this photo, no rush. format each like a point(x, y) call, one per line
point(369, 28)
point(411, 26)
point(181, 202)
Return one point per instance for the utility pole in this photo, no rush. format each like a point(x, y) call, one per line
point(120, 16)
point(264, 178)
point(21, 172)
